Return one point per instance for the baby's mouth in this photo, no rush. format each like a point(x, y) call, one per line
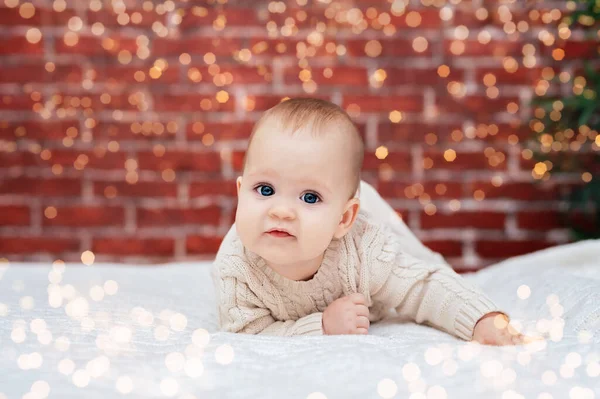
point(279, 234)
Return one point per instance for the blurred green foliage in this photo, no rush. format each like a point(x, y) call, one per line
point(566, 141)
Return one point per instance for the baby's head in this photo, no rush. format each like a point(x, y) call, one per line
point(301, 174)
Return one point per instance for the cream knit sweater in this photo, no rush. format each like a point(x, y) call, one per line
point(254, 299)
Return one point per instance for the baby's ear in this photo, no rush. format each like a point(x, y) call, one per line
point(238, 184)
point(348, 217)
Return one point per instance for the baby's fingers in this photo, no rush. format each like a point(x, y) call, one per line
point(362, 310)
point(362, 331)
point(520, 339)
point(528, 339)
point(525, 339)
point(363, 322)
point(357, 298)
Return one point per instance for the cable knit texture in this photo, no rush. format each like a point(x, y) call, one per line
point(252, 298)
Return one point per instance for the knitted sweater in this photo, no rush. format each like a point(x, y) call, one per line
point(252, 298)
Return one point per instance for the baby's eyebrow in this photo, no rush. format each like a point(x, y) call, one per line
point(312, 183)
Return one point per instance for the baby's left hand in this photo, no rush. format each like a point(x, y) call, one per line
point(493, 329)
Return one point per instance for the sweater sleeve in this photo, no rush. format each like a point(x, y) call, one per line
point(241, 311)
point(426, 292)
point(381, 211)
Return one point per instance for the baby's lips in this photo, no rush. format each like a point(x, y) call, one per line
point(280, 233)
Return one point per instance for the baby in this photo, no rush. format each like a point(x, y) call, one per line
point(314, 250)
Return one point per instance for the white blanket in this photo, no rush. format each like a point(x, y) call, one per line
point(68, 334)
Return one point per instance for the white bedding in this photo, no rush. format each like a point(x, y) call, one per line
point(152, 332)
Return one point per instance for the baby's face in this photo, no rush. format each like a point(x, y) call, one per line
point(298, 184)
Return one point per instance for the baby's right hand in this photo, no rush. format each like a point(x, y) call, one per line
point(347, 315)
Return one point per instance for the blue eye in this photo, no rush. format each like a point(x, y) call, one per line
point(265, 190)
point(311, 198)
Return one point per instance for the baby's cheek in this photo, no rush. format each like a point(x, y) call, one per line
point(244, 210)
point(326, 221)
point(318, 234)
point(244, 224)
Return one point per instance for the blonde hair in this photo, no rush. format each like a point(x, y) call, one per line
point(315, 115)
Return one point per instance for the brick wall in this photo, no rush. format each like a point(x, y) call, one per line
point(123, 124)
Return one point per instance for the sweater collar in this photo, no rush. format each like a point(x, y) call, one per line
point(324, 273)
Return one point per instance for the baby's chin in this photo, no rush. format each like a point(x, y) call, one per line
point(265, 247)
point(290, 255)
point(277, 256)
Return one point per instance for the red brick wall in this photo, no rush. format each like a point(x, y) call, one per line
point(122, 129)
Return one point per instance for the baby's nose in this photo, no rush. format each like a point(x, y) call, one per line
point(282, 211)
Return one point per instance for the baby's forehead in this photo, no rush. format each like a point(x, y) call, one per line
point(319, 153)
point(323, 135)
